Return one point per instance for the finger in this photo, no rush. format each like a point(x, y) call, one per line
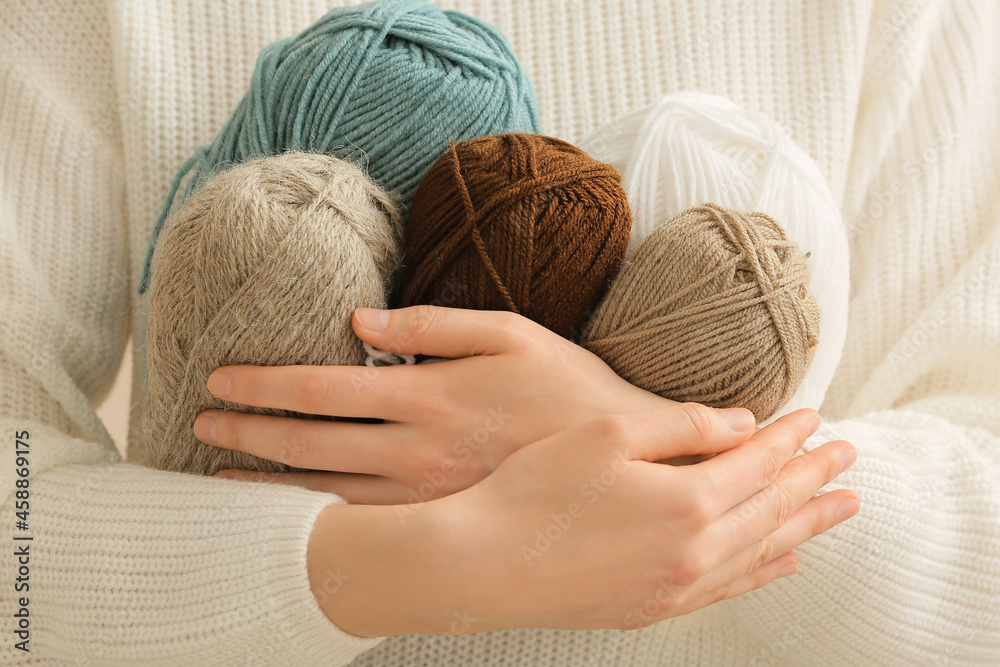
point(355, 489)
point(444, 332)
point(341, 391)
point(683, 429)
point(373, 449)
point(815, 517)
point(766, 511)
point(784, 565)
point(735, 475)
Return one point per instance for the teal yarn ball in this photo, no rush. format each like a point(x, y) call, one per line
point(387, 84)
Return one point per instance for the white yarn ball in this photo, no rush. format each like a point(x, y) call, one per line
point(693, 148)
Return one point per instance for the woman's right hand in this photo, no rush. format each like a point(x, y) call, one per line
point(583, 530)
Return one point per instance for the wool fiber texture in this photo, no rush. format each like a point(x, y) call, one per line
point(264, 265)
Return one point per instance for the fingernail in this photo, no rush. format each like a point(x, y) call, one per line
point(847, 509)
point(848, 458)
point(788, 570)
point(204, 430)
point(372, 318)
point(739, 419)
point(220, 384)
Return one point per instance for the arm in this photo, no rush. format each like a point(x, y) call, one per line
point(538, 543)
point(127, 565)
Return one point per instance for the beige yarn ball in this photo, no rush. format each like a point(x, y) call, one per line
point(263, 265)
point(713, 307)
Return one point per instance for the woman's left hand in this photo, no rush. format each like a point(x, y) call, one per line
point(508, 382)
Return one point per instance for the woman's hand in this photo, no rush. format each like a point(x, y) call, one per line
point(581, 530)
point(510, 382)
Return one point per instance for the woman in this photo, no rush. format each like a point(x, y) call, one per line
point(141, 551)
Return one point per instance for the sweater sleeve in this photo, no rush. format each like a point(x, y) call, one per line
point(913, 578)
point(105, 562)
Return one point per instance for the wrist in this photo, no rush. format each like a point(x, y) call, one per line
point(383, 570)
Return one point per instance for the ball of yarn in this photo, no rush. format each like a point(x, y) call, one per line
point(516, 222)
point(387, 84)
point(264, 265)
point(690, 148)
point(712, 307)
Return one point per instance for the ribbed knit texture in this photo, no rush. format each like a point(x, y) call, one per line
point(898, 104)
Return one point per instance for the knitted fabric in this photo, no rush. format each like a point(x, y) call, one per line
point(896, 101)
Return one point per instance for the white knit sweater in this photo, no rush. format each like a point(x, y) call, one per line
point(898, 102)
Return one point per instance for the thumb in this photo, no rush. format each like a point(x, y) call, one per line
point(444, 332)
point(689, 429)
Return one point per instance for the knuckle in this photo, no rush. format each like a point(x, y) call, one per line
point(227, 429)
point(701, 418)
point(698, 513)
point(514, 329)
point(771, 466)
point(315, 392)
point(765, 552)
point(422, 319)
point(436, 407)
point(298, 448)
point(616, 427)
point(784, 502)
point(688, 571)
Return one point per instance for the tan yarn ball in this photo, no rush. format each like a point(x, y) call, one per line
point(713, 307)
point(263, 265)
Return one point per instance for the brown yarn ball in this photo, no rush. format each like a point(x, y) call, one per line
point(264, 265)
point(713, 307)
point(516, 222)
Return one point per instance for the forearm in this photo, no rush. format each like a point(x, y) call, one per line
point(382, 570)
point(130, 565)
